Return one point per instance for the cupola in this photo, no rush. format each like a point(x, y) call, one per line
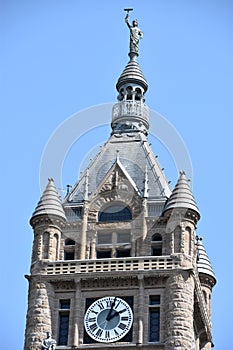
point(131, 114)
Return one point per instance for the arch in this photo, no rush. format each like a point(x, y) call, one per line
point(129, 90)
point(69, 241)
point(115, 212)
point(156, 237)
point(138, 95)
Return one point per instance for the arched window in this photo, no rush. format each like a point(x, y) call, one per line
point(156, 244)
point(69, 241)
point(138, 95)
point(115, 212)
point(129, 93)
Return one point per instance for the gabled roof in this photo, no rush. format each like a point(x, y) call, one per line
point(134, 156)
point(49, 203)
point(181, 196)
point(203, 262)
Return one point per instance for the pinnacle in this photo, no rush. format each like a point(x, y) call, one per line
point(181, 196)
point(203, 262)
point(49, 203)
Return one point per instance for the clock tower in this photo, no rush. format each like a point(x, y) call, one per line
point(117, 263)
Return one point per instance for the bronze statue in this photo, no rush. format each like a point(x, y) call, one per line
point(48, 343)
point(135, 35)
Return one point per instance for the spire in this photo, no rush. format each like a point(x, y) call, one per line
point(182, 196)
point(131, 114)
point(49, 203)
point(203, 262)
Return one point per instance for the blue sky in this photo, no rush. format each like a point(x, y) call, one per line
point(60, 57)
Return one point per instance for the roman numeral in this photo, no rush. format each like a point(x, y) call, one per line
point(101, 306)
point(122, 326)
point(108, 303)
point(124, 318)
point(92, 319)
point(107, 334)
point(99, 332)
point(116, 333)
point(93, 327)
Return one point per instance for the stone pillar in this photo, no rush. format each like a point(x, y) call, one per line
point(40, 297)
point(84, 233)
point(77, 312)
point(179, 298)
point(140, 308)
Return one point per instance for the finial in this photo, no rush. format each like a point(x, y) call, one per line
point(85, 197)
point(146, 189)
point(68, 188)
point(135, 35)
point(117, 155)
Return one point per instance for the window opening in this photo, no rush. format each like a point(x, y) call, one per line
point(69, 241)
point(154, 318)
point(68, 255)
point(103, 254)
point(64, 315)
point(156, 245)
point(113, 213)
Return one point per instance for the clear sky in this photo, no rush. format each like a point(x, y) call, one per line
point(59, 57)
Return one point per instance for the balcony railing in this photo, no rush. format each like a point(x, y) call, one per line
point(130, 109)
point(108, 265)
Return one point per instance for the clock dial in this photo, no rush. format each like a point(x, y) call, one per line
point(108, 319)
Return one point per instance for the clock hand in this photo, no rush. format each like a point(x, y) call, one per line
point(108, 318)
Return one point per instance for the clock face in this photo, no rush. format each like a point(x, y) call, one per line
point(108, 319)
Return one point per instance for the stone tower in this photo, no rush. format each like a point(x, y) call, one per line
point(117, 263)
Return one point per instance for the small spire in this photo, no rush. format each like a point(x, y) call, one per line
point(49, 203)
point(203, 262)
point(85, 197)
point(182, 196)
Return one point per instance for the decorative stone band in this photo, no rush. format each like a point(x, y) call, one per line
point(131, 109)
point(109, 265)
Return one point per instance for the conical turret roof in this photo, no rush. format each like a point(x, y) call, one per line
point(49, 203)
point(203, 262)
point(181, 196)
point(132, 74)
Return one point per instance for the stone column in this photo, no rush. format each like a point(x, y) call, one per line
point(140, 308)
point(77, 312)
point(179, 298)
point(38, 314)
point(84, 232)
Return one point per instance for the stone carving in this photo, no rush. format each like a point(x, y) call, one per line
point(48, 343)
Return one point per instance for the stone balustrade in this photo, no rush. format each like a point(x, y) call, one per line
point(130, 109)
point(108, 265)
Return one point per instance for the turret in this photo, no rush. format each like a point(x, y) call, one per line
point(206, 273)
point(47, 221)
point(182, 214)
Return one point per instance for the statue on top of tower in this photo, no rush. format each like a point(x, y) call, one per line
point(135, 35)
